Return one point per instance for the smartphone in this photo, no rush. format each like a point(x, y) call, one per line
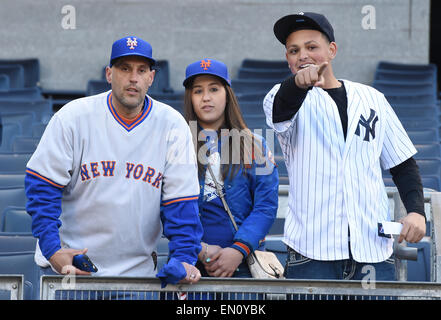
point(83, 262)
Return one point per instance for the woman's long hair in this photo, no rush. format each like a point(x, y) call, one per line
point(250, 146)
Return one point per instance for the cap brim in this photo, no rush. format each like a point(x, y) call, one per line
point(288, 24)
point(152, 61)
point(191, 78)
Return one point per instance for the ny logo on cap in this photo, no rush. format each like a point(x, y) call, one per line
point(132, 43)
point(205, 64)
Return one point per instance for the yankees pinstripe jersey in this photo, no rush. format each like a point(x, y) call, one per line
point(336, 185)
point(114, 176)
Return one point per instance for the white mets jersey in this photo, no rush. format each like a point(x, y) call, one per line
point(336, 185)
point(114, 177)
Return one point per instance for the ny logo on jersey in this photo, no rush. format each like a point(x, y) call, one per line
point(369, 124)
point(205, 64)
point(132, 43)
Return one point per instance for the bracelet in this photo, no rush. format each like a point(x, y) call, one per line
point(205, 254)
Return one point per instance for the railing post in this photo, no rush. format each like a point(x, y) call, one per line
point(399, 212)
point(436, 221)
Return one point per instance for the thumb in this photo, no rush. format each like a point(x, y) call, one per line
point(322, 68)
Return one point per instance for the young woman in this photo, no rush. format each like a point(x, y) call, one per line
point(242, 167)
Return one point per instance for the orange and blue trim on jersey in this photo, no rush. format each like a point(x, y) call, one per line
point(171, 201)
point(136, 122)
point(39, 176)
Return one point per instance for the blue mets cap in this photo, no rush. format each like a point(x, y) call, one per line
point(131, 46)
point(206, 66)
point(300, 21)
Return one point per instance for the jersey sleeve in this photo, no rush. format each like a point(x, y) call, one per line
point(53, 157)
point(268, 103)
point(397, 146)
point(179, 208)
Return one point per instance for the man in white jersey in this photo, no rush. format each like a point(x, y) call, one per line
point(112, 173)
point(336, 136)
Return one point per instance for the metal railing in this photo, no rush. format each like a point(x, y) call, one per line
point(121, 288)
point(11, 287)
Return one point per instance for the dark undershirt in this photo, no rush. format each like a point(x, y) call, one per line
point(406, 177)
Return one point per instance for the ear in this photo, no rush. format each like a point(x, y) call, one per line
point(332, 50)
point(109, 74)
point(152, 77)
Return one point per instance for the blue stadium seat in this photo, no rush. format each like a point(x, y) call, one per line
point(161, 83)
point(417, 112)
point(264, 64)
point(31, 68)
point(242, 86)
point(429, 167)
point(38, 129)
point(22, 263)
point(16, 242)
point(15, 219)
point(277, 227)
point(24, 144)
point(282, 170)
point(411, 99)
point(30, 93)
point(176, 104)
point(43, 109)
point(10, 130)
point(167, 96)
point(4, 82)
point(256, 122)
point(15, 72)
point(251, 97)
point(428, 136)
point(403, 76)
point(14, 162)
point(97, 86)
point(419, 270)
point(264, 74)
point(428, 151)
point(407, 67)
point(414, 123)
point(24, 119)
point(429, 182)
point(12, 196)
point(12, 180)
point(388, 87)
point(252, 108)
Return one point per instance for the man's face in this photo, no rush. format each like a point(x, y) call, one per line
point(305, 47)
point(130, 78)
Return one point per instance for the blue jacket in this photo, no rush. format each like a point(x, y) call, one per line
point(253, 201)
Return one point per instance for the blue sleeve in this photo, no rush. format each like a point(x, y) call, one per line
point(182, 227)
point(44, 206)
point(265, 191)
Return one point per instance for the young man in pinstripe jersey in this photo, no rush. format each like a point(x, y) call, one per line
point(336, 136)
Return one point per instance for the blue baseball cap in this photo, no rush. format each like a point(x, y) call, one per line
point(131, 46)
point(206, 66)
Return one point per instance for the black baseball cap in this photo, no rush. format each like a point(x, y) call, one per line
point(301, 21)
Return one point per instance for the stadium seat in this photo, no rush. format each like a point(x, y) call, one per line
point(428, 136)
point(429, 182)
point(407, 67)
point(12, 180)
point(175, 104)
point(404, 87)
point(403, 76)
point(4, 82)
point(16, 242)
point(24, 144)
point(256, 97)
point(38, 129)
point(31, 93)
point(419, 124)
point(420, 270)
point(161, 83)
point(281, 168)
point(31, 69)
point(24, 119)
point(15, 219)
point(22, 263)
point(417, 112)
point(428, 151)
point(264, 64)
point(251, 108)
point(242, 86)
point(10, 130)
point(256, 122)
point(264, 74)
point(411, 99)
point(14, 162)
point(167, 96)
point(277, 227)
point(12, 196)
point(43, 109)
point(15, 72)
point(97, 86)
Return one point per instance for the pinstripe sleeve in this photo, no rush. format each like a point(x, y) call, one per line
point(268, 103)
point(397, 146)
